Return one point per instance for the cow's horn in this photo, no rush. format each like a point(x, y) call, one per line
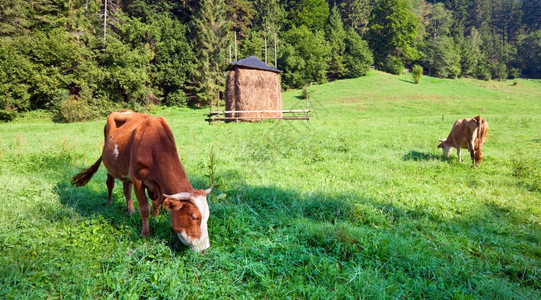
point(179, 196)
point(207, 191)
point(441, 140)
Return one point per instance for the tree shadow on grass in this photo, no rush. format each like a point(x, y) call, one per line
point(262, 222)
point(408, 81)
point(347, 227)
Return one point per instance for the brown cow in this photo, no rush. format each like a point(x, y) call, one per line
point(140, 150)
point(468, 134)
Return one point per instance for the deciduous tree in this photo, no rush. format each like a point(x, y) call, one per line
point(392, 31)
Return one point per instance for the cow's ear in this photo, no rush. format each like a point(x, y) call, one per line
point(172, 204)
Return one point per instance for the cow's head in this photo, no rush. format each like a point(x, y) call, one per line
point(189, 214)
point(446, 148)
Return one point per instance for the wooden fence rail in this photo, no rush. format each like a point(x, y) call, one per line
point(220, 115)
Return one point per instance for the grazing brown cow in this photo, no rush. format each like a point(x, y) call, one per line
point(140, 150)
point(468, 134)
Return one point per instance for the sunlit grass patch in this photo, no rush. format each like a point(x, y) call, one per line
point(356, 203)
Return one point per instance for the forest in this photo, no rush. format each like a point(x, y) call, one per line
point(80, 59)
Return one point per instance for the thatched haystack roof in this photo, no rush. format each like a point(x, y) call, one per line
point(253, 85)
point(252, 62)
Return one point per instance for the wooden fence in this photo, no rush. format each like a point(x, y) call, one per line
point(220, 115)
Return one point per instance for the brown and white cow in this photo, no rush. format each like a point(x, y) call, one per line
point(140, 150)
point(469, 133)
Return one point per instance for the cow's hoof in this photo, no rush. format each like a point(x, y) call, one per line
point(130, 211)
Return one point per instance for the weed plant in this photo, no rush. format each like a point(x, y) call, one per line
point(356, 203)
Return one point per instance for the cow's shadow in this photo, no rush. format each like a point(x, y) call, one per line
point(421, 156)
point(90, 201)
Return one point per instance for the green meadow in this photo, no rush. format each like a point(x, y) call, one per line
point(356, 203)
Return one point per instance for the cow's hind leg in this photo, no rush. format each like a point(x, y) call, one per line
point(144, 207)
point(127, 194)
point(110, 185)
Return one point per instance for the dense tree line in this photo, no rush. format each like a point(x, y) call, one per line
point(83, 58)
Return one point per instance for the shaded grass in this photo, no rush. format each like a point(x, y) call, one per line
point(356, 203)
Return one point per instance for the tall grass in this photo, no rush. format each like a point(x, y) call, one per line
point(355, 203)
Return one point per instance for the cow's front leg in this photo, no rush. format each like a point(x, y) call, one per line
point(472, 152)
point(458, 153)
point(156, 205)
point(127, 194)
point(144, 207)
point(110, 185)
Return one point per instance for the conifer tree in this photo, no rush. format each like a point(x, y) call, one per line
point(270, 16)
point(530, 54)
point(506, 20)
point(335, 35)
point(441, 54)
point(358, 56)
point(241, 14)
point(355, 14)
point(14, 17)
point(531, 10)
point(212, 34)
point(470, 52)
point(480, 13)
point(311, 13)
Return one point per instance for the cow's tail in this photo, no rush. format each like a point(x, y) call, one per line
point(477, 145)
point(479, 127)
point(83, 177)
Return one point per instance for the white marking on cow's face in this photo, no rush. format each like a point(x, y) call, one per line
point(201, 244)
point(115, 152)
point(204, 242)
point(184, 238)
point(446, 149)
point(198, 245)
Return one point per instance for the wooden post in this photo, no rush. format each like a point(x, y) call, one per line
point(218, 101)
point(308, 98)
point(265, 49)
point(104, 21)
point(275, 62)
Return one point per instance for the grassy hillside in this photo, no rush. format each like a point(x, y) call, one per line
point(356, 203)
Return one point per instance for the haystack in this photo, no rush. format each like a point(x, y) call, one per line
point(252, 85)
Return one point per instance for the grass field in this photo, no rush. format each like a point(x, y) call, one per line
point(357, 203)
